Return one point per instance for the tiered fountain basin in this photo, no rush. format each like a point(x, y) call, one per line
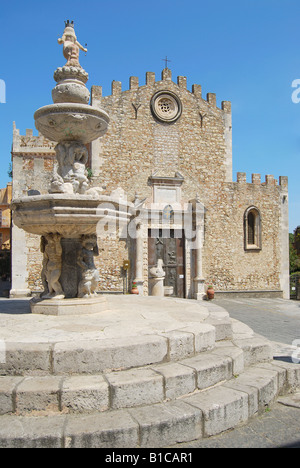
point(71, 122)
point(71, 216)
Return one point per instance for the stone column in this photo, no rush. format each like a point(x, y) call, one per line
point(139, 276)
point(284, 238)
point(199, 280)
point(19, 287)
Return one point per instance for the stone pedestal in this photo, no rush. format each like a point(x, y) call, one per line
point(199, 280)
point(139, 280)
point(70, 272)
point(157, 287)
point(169, 290)
point(156, 280)
point(199, 288)
point(74, 306)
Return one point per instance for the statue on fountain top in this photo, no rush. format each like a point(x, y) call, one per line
point(71, 45)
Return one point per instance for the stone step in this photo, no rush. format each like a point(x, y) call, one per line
point(133, 332)
point(105, 355)
point(120, 389)
point(123, 388)
point(203, 414)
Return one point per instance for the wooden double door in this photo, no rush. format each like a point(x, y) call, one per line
point(169, 246)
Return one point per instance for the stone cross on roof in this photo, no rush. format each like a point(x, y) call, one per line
point(166, 60)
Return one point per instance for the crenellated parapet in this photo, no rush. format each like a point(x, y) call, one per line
point(270, 181)
point(166, 76)
point(31, 144)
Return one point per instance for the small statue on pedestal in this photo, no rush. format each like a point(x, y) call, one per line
point(52, 250)
point(71, 45)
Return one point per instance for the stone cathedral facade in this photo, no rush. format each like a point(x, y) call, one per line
point(167, 154)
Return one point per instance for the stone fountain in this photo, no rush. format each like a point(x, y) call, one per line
point(67, 217)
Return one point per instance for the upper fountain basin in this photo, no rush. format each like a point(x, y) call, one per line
point(71, 122)
point(69, 214)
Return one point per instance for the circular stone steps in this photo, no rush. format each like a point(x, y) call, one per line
point(132, 333)
point(147, 373)
point(203, 414)
point(120, 389)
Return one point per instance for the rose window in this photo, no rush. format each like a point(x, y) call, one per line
point(166, 106)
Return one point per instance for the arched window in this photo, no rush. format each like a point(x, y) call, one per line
point(252, 229)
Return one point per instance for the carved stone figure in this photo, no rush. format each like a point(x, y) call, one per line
point(70, 175)
point(157, 271)
point(89, 274)
point(52, 260)
point(70, 45)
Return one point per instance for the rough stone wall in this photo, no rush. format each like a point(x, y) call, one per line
point(198, 145)
point(136, 144)
point(227, 264)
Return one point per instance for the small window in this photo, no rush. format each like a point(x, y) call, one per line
point(252, 229)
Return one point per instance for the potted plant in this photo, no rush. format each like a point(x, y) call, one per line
point(134, 289)
point(210, 292)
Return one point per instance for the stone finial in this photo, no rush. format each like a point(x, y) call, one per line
point(70, 45)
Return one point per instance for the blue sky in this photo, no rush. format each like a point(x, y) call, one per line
point(245, 51)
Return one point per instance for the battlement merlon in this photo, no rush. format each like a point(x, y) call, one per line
point(269, 180)
point(30, 143)
point(116, 89)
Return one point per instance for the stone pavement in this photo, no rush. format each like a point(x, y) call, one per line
point(276, 319)
point(279, 427)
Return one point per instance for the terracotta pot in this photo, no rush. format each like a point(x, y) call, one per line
point(210, 293)
point(134, 290)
